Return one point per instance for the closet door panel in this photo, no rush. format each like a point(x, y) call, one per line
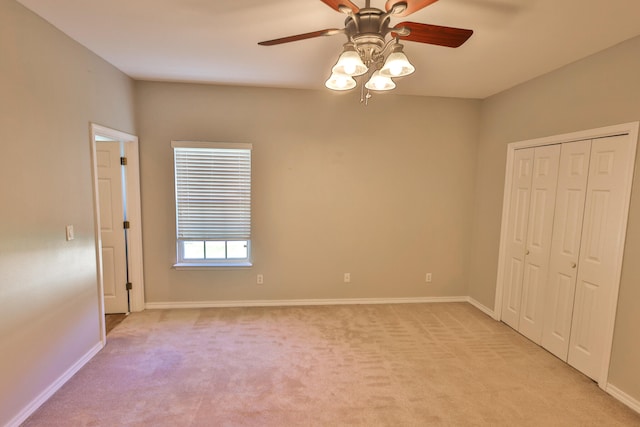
point(603, 228)
point(565, 246)
point(516, 235)
point(538, 241)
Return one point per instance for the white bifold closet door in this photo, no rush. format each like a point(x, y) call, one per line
point(567, 216)
point(600, 261)
point(565, 246)
point(516, 236)
point(529, 238)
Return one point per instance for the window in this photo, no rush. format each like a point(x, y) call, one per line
point(213, 203)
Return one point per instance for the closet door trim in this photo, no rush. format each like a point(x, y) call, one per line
point(630, 129)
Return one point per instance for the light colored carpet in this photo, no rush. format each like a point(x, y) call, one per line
point(375, 365)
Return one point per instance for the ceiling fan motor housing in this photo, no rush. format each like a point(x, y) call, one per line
point(368, 29)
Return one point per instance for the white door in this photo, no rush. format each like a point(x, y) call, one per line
point(538, 241)
point(600, 260)
point(516, 235)
point(114, 258)
point(565, 246)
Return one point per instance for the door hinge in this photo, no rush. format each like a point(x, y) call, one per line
point(126, 225)
point(129, 286)
point(123, 161)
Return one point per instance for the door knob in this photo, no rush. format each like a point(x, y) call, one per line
point(527, 252)
point(573, 265)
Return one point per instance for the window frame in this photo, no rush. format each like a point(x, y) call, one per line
point(186, 263)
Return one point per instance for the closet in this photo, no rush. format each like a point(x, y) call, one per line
point(561, 252)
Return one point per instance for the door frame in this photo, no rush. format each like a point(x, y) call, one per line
point(134, 215)
point(630, 129)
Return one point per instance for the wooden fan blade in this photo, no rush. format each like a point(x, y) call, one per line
point(433, 34)
point(336, 4)
point(412, 5)
point(329, 32)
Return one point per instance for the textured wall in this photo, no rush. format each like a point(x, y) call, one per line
point(50, 89)
point(383, 192)
point(601, 90)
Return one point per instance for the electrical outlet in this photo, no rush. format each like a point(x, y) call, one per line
point(260, 279)
point(428, 278)
point(347, 277)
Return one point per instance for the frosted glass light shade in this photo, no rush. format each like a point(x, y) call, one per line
point(349, 63)
point(397, 65)
point(339, 81)
point(379, 82)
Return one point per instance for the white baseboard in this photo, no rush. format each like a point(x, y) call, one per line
point(483, 308)
point(298, 302)
point(623, 397)
point(55, 386)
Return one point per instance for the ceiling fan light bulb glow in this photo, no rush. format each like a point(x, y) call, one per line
point(340, 82)
point(397, 65)
point(380, 82)
point(350, 64)
point(349, 69)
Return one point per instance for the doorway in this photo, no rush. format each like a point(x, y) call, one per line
point(117, 218)
point(112, 199)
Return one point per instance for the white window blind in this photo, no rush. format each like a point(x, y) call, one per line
point(213, 191)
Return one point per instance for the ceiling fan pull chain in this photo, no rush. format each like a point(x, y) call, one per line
point(364, 98)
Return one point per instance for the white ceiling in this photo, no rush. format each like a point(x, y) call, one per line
point(215, 41)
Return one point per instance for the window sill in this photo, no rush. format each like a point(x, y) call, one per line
point(209, 266)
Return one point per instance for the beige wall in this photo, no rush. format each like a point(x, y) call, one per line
point(50, 89)
point(601, 90)
point(383, 192)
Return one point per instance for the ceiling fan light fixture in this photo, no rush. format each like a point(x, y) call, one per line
point(349, 62)
point(339, 81)
point(379, 82)
point(397, 64)
point(370, 55)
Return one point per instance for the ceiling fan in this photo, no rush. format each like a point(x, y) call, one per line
point(368, 52)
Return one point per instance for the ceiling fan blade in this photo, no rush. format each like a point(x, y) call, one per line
point(320, 33)
point(433, 34)
point(412, 5)
point(337, 4)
